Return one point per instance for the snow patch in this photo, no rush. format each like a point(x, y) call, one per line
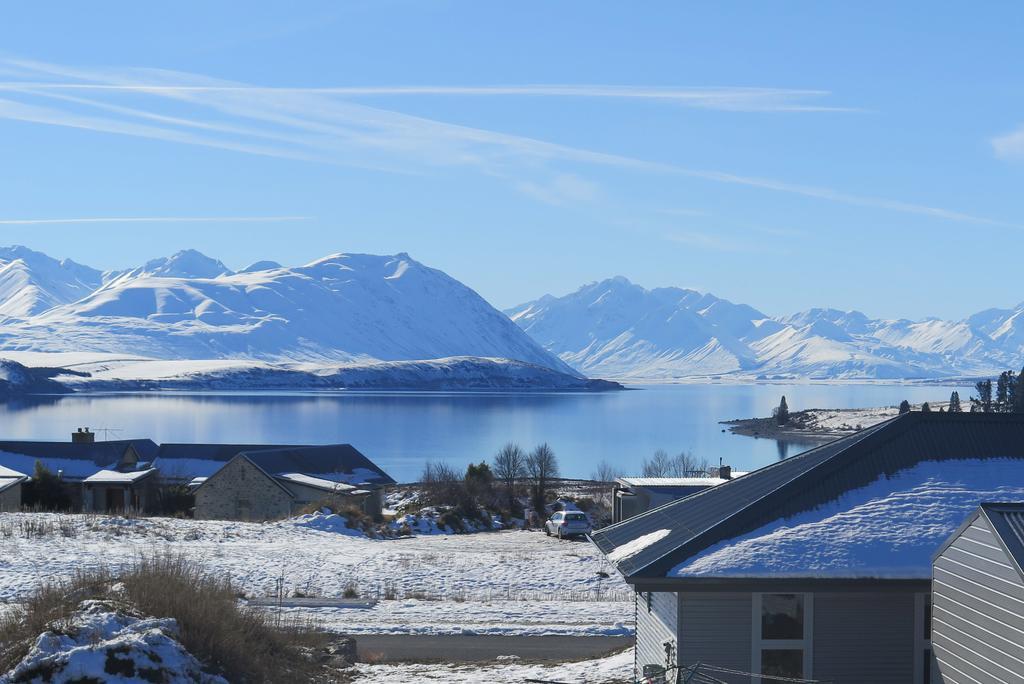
point(637, 545)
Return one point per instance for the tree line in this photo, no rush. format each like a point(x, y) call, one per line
point(495, 485)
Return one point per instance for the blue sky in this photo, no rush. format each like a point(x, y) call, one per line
point(785, 155)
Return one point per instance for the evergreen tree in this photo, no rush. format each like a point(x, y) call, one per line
point(1002, 404)
point(954, 403)
point(1012, 392)
point(904, 407)
point(1018, 403)
point(925, 408)
point(782, 412)
point(983, 402)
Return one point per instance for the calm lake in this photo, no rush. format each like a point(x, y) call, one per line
point(402, 430)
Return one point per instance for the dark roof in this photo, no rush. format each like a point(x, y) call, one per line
point(807, 480)
point(335, 462)
point(76, 459)
point(1007, 521)
point(213, 452)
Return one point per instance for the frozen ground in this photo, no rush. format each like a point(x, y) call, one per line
point(510, 582)
point(614, 668)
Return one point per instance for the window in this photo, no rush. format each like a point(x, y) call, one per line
point(781, 640)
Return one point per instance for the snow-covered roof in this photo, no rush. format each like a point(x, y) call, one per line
point(9, 473)
point(116, 477)
point(874, 504)
point(671, 481)
point(6, 482)
point(316, 482)
point(889, 528)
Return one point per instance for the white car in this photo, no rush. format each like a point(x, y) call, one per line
point(567, 524)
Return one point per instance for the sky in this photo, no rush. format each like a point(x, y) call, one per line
point(785, 155)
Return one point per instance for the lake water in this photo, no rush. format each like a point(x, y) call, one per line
point(400, 431)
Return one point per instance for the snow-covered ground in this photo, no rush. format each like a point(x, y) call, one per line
point(512, 582)
point(608, 670)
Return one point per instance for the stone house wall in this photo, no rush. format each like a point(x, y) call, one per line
point(10, 499)
point(241, 491)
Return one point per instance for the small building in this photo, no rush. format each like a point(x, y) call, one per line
point(634, 495)
point(819, 566)
point(977, 616)
point(10, 489)
point(274, 483)
point(114, 491)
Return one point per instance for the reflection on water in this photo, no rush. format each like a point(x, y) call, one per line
point(788, 447)
point(401, 430)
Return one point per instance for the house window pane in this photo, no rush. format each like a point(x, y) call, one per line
point(782, 662)
point(782, 616)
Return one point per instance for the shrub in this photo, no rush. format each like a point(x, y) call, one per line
point(241, 643)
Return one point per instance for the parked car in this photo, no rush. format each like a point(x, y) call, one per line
point(567, 524)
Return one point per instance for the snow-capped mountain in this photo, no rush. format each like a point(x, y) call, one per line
point(616, 329)
point(342, 308)
point(31, 282)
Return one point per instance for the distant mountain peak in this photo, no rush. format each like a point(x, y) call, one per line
point(187, 263)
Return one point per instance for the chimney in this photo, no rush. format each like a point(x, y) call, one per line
point(725, 472)
point(83, 436)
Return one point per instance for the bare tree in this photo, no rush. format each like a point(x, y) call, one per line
point(660, 465)
point(541, 468)
point(510, 466)
point(606, 472)
point(683, 464)
point(442, 484)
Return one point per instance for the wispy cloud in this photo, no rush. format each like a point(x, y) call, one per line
point(1010, 145)
point(743, 99)
point(153, 219)
point(718, 242)
point(324, 125)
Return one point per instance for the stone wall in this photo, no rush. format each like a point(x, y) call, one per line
point(10, 499)
point(241, 491)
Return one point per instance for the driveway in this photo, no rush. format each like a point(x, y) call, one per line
point(462, 648)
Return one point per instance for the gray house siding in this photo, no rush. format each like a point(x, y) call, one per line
point(714, 628)
point(977, 609)
point(10, 498)
point(857, 636)
point(241, 491)
point(862, 637)
point(656, 629)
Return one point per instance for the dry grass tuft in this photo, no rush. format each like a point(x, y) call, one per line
point(243, 644)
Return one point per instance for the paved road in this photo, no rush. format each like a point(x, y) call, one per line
point(460, 648)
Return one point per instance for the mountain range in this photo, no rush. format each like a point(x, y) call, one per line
point(350, 319)
point(617, 329)
point(317, 323)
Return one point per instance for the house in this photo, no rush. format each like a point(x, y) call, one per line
point(819, 565)
point(80, 462)
point(977, 625)
point(110, 491)
point(634, 495)
point(10, 489)
point(263, 484)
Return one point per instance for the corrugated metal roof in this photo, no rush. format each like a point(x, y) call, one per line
point(1007, 520)
point(341, 463)
point(807, 480)
point(671, 481)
